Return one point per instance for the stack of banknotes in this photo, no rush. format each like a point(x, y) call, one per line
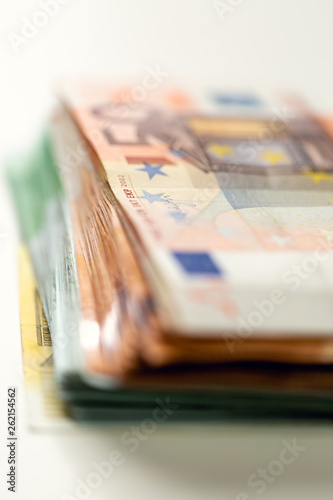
point(182, 247)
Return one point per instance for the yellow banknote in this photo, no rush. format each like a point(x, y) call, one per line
point(45, 409)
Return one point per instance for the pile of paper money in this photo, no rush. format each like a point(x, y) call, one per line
point(182, 249)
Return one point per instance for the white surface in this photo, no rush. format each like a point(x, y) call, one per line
point(263, 44)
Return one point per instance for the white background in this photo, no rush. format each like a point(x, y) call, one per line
point(262, 44)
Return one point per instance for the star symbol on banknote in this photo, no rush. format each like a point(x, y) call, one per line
point(152, 170)
point(274, 157)
point(151, 197)
point(281, 241)
point(220, 150)
point(318, 177)
point(328, 234)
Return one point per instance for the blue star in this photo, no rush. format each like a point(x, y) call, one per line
point(152, 170)
point(153, 197)
point(178, 216)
